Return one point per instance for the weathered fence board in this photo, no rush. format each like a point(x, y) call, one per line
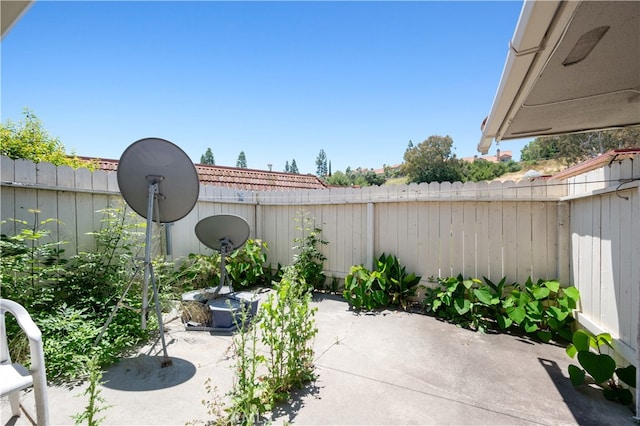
point(605, 248)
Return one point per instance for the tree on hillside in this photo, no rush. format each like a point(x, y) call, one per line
point(207, 158)
point(571, 149)
point(358, 177)
point(29, 140)
point(339, 179)
point(481, 170)
point(294, 167)
point(321, 164)
point(432, 161)
point(242, 161)
point(409, 146)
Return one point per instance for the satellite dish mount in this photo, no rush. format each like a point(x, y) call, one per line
point(159, 182)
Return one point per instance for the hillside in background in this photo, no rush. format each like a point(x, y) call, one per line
point(544, 167)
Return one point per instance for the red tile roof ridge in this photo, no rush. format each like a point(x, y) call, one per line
point(237, 177)
point(597, 162)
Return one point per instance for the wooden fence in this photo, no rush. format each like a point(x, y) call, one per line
point(605, 254)
point(476, 229)
point(580, 231)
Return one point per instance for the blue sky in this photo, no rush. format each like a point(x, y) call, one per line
point(277, 80)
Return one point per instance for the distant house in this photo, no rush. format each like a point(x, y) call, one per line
point(499, 157)
point(240, 178)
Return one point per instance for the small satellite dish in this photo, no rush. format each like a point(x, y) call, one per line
point(157, 161)
point(225, 233)
point(222, 230)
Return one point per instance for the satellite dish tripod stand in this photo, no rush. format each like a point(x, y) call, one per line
point(152, 199)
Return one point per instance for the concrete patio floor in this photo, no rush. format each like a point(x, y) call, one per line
point(391, 368)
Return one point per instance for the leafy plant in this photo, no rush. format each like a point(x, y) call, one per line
point(388, 284)
point(246, 266)
point(195, 272)
point(31, 263)
point(95, 279)
point(247, 401)
point(308, 260)
point(362, 289)
point(93, 394)
point(29, 139)
point(399, 285)
point(542, 309)
point(600, 367)
point(288, 327)
point(492, 296)
point(70, 299)
point(461, 301)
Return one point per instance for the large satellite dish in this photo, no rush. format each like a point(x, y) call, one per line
point(224, 233)
point(157, 161)
point(160, 183)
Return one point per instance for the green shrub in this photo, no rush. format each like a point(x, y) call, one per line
point(70, 299)
point(248, 401)
point(31, 263)
point(399, 285)
point(362, 289)
point(387, 285)
point(245, 268)
point(542, 309)
point(246, 265)
point(462, 302)
point(195, 272)
point(288, 327)
point(95, 402)
point(309, 260)
point(600, 367)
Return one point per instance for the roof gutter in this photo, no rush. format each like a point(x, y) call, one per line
point(540, 27)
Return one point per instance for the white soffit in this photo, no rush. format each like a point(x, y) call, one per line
point(10, 12)
point(572, 66)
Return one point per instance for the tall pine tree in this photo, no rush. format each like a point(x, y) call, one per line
point(242, 161)
point(207, 158)
point(321, 164)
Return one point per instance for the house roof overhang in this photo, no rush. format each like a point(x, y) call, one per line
point(572, 66)
point(10, 12)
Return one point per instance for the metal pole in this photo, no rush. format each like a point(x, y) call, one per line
point(167, 361)
point(153, 187)
point(148, 268)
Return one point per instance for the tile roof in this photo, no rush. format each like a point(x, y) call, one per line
point(259, 180)
point(240, 178)
point(597, 162)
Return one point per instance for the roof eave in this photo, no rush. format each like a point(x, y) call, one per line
point(540, 26)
